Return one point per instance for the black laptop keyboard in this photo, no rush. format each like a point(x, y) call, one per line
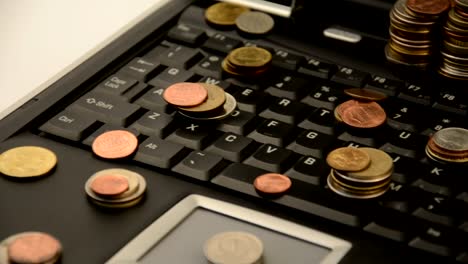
point(284, 124)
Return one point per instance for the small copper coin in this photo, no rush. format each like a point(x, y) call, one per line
point(362, 114)
point(115, 144)
point(428, 7)
point(365, 94)
point(185, 94)
point(348, 159)
point(34, 248)
point(272, 183)
point(110, 185)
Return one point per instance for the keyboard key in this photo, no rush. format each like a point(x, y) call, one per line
point(273, 132)
point(141, 69)
point(463, 257)
point(312, 143)
point(160, 153)
point(286, 110)
point(106, 108)
point(116, 84)
point(221, 44)
point(232, 147)
point(271, 158)
point(416, 93)
point(432, 188)
point(135, 92)
point(317, 68)
point(200, 165)
point(440, 120)
point(392, 225)
point(325, 95)
point(216, 81)
point(286, 60)
point(402, 115)
point(405, 143)
point(451, 102)
point(104, 128)
point(436, 239)
point(398, 198)
point(180, 56)
point(350, 76)
point(405, 169)
point(385, 85)
point(193, 135)
point(322, 120)
point(252, 101)
point(209, 66)
point(288, 86)
point(153, 100)
point(186, 34)
point(155, 124)
point(239, 122)
point(70, 125)
point(360, 137)
point(436, 209)
point(173, 75)
point(309, 169)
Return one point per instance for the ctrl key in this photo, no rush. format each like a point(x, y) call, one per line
point(70, 125)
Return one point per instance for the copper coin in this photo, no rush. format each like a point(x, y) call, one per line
point(115, 144)
point(362, 114)
point(216, 98)
point(185, 94)
point(365, 94)
point(428, 7)
point(348, 159)
point(34, 248)
point(110, 185)
point(272, 183)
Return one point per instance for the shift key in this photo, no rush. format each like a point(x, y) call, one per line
point(106, 108)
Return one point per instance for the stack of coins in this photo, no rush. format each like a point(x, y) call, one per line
point(414, 25)
point(272, 184)
point(360, 173)
point(449, 145)
point(234, 247)
point(115, 188)
point(200, 101)
point(360, 114)
point(454, 51)
point(27, 162)
point(31, 248)
point(247, 62)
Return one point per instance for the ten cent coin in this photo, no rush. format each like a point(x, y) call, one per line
point(256, 23)
point(27, 161)
point(109, 185)
point(224, 14)
point(115, 144)
point(348, 159)
point(272, 183)
point(233, 247)
point(34, 247)
point(185, 94)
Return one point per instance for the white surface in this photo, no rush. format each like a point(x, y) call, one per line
point(41, 40)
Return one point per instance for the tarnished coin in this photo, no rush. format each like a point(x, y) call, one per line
point(381, 166)
point(362, 114)
point(216, 98)
point(252, 57)
point(228, 107)
point(348, 159)
point(109, 185)
point(365, 94)
point(272, 183)
point(34, 247)
point(233, 247)
point(115, 144)
point(255, 23)
point(452, 139)
point(224, 14)
point(27, 161)
point(428, 7)
point(185, 94)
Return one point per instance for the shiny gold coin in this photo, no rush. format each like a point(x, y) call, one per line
point(365, 94)
point(27, 161)
point(252, 57)
point(348, 159)
point(224, 14)
point(216, 98)
point(380, 165)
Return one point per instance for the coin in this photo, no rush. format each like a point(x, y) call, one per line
point(115, 144)
point(362, 114)
point(252, 57)
point(109, 185)
point(381, 164)
point(216, 98)
point(348, 159)
point(428, 7)
point(272, 183)
point(365, 94)
point(228, 107)
point(452, 138)
point(185, 94)
point(224, 14)
point(255, 23)
point(233, 247)
point(338, 189)
point(34, 247)
point(27, 161)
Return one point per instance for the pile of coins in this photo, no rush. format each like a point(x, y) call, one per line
point(360, 173)
point(200, 101)
point(247, 62)
point(31, 248)
point(272, 184)
point(454, 52)
point(234, 247)
point(248, 22)
point(115, 188)
point(360, 114)
point(449, 145)
point(414, 26)
point(27, 162)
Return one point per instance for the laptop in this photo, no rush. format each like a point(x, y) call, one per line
point(196, 184)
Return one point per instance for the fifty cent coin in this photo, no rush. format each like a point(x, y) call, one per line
point(27, 161)
point(115, 144)
point(348, 159)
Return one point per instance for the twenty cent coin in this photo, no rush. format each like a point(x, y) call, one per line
point(224, 14)
point(110, 185)
point(234, 247)
point(216, 98)
point(34, 247)
point(272, 183)
point(27, 161)
point(185, 94)
point(348, 159)
point(115, 144)
point(256, 23)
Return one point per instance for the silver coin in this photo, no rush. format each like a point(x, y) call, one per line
point(234, 247)
point(452, 139)
point(255, 22)
point(229, 106)
point(348, 193)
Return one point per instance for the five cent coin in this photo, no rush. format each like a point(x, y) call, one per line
point(348, 159)
point(34, 247)
point(185, 94)
point(115, 144)
point(233, 247)
point(272, 183)
point(27, 161)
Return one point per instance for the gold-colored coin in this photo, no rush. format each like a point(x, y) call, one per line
point(252, 57)
point(381, 165)
point(348, 159)
point(224, 14)
point(27, 161)
point(216, 98)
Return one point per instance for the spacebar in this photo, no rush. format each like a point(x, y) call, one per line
point(301, 196)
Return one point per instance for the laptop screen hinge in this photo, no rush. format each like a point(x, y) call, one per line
point(283, 8)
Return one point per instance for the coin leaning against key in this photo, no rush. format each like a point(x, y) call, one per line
point(27, 161)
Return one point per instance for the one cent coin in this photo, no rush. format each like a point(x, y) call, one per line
point(110, 185)
point(365, 94)
point(362, 114)
point(255, 23)
point(185, 94)
point(34, 247)
point(272, 183)
point(224, 14)
point(216, 98)
point(27, 161)
point(233, 247)
point(115, 144)
point(348, 159)
point(428, 7)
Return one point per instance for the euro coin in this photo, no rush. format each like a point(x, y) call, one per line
point(251, 57)
point(348, 159)
point(381, 165)
point(27, 161)
point(234, 247)
point(224, 14)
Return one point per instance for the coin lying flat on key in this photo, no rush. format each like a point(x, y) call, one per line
point(185, 94)
point(115, 144)
point(348, 159)
point(233, 248)
point(33, 248)
point(224, 14)
point(110, 185)
point(27, 161)
point(255, 23)
point(272, 183)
